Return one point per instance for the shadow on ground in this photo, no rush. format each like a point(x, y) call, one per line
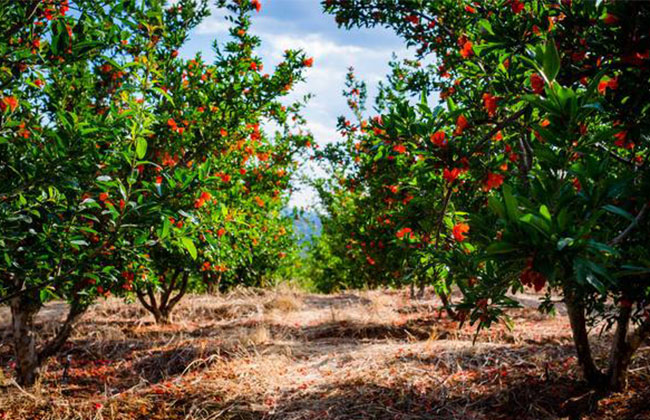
point(237, 363)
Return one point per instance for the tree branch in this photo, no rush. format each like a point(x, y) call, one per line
point(617, 157)
point(628, 230)
point(54, 345)
point(497, 128)
point(152, 297)
point(167, 289)
point(29, 16)
point(181, 291)
point(142, 300)
point(639, 335)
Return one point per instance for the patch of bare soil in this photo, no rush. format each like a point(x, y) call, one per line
point(288, 355)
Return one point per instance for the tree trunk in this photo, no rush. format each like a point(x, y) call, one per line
point(210, 289)
point(162, 317)
point(620, 354)
point(576, 312)
point(212, 283)
point(54, 346)
point(23, 309)
point(421, 287)
point(161, 308)
point(624, 344)
point(446, 303)
point(29, 359)
point(445, 298)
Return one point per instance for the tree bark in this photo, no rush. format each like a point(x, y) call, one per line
point(163, 317)
point(624, 344)
point(162, 309)
point(421, 287)
point(181, 292)
point(23, 310)
point(639, 335)
point(54, 346)
point(621, 353)
point(577, 319)
point(445, 298)
point(446, 303)
point(210, 289)
point(209, 284)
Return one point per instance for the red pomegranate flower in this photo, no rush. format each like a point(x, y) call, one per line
point(256, 5)
point(459, 230)
point(438, 139)
point(610, 19)
point(537, 83)
point(450, 175)
point(9, 102)
point(517, 6)
point(532, 278)
point(461, 125)
point(490, 103)
point(467, 50)
point(408, 232)
point(604, 84)
point(492, 181)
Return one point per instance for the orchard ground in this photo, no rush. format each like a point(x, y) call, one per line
point(284, 354)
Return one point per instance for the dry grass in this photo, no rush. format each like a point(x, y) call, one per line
point(285, 355)
point(284, 303)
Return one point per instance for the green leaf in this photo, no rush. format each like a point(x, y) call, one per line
point(47, 294)
point(618, 211)
point(551, 60)
point(537, 222)
point(543, 210)
point(141, 147)
point(165, 230)
point(632, 270)
point(486, 25)
point(495, 205)
point(563, 243)
point(563, 219)
point(587, 271)
point(451, 105)
point(601, 247)
point(423, 98)
point(165, 94)
point(500, 248)
point(511, 202)
point(189, 246)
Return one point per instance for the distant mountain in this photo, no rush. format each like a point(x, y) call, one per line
point(306, 224)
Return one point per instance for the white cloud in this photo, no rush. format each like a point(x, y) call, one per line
point(326, 81)
point(215, 24)
point(315, 44)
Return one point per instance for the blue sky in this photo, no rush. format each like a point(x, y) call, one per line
point(283, 24)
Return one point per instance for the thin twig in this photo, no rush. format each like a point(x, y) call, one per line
point(631, 226)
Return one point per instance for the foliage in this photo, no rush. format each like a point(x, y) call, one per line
point(220, 179)
point(124, 167)
point(531, 171)
point(80, 84)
